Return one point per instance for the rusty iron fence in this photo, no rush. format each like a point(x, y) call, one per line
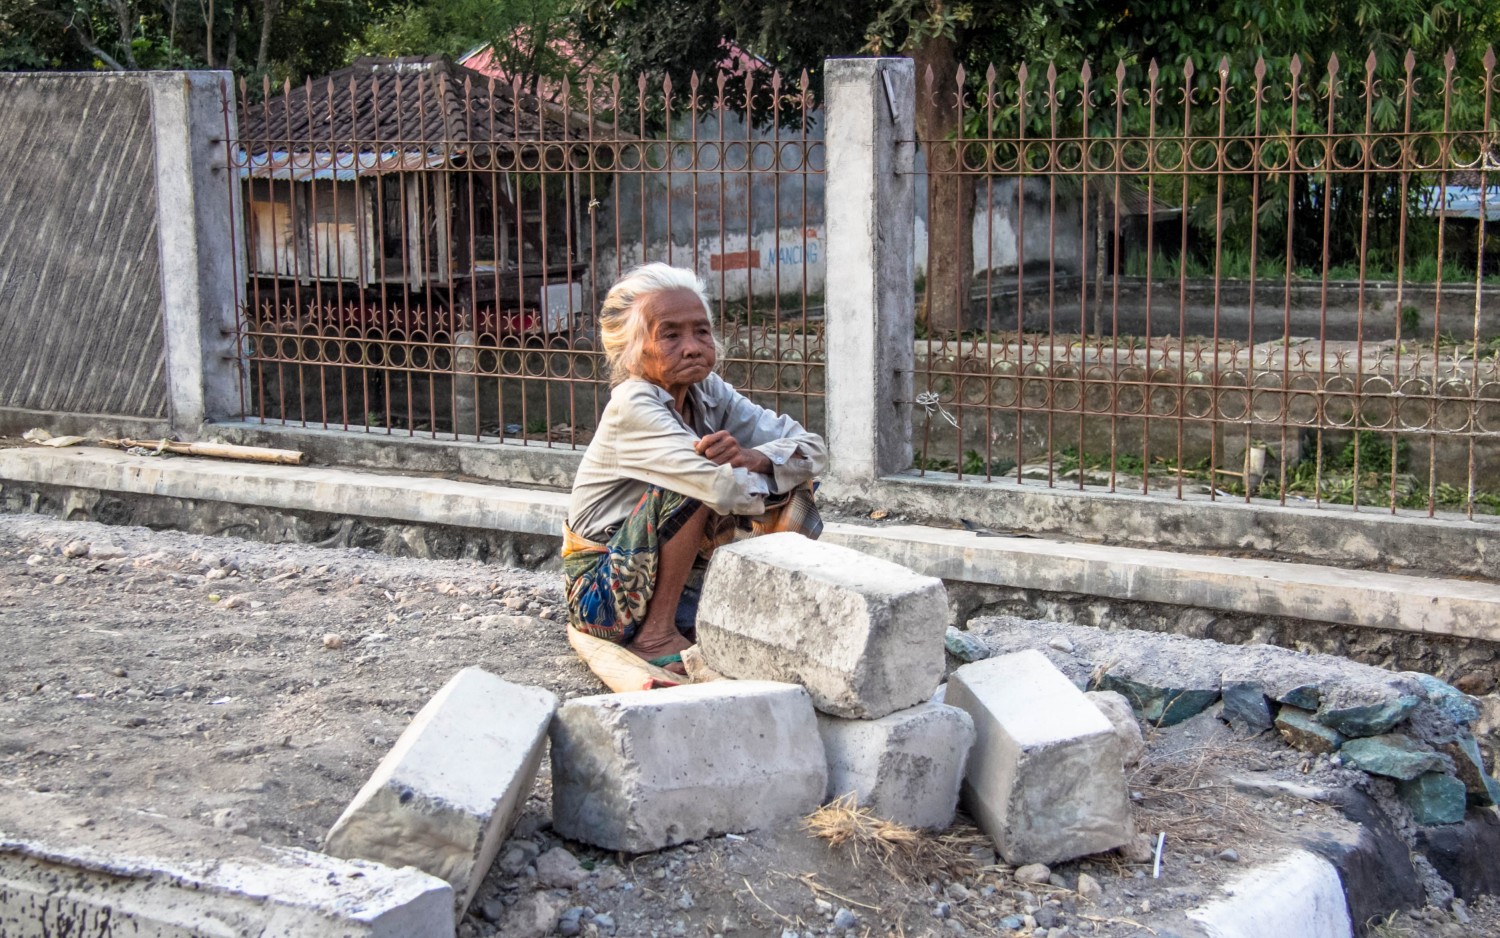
point(425, 245)
point(1263, 281)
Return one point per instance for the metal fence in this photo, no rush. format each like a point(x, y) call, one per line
point(1265, 281)
point(425, 245)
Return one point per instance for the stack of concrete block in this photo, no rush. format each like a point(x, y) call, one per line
point(448, 792)
point(1046, 780)
point(650, 769)
point(865, 637)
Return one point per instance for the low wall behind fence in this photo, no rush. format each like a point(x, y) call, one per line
point(106, 277)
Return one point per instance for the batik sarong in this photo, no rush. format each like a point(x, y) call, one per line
point(609, 585)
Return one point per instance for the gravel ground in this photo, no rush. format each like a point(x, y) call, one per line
point(254, 687)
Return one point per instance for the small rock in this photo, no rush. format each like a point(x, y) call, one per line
point(235, 602)
point(684, 900)
point(958, 892)
point(569, 924)
point(333, 640)
point(1140, 849)
point(1047, 917)
point(106, 551)
point(1229, 855)
point(532, 916)
point(965, 646)
point(35, 560)
point(60, 579)
point(845, 919)
point(608, 877)
point(1370, 719)
point(605, 923)
point(1246, 707)
point(1089, 888)
point(1013, 922)
point(942, 910)
point(217, 573)
point(1062, 643)
point(119, 672)
point(492, 910)
point(1033, 873)
point(76, 549)
point(559, 869)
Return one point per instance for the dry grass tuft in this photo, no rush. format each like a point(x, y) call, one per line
point(908, 854)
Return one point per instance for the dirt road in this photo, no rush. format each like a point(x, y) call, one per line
point(253, 688)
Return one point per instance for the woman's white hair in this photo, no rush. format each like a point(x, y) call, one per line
point(623, 329)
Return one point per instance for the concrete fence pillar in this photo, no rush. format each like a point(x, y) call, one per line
point(871, 145)
point(199, 231)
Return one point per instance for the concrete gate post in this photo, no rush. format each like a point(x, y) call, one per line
point(200, 233)
point(871, 145)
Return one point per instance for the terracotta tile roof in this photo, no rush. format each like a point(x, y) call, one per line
point(419, 102)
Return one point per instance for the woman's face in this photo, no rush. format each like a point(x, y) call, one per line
point(679, 348)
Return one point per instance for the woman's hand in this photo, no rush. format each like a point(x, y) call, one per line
point(720, 448)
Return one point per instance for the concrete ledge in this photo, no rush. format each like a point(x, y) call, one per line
point(1451, 546)
point(1399, 602)
point(63, 873)
point(413, 499)
point(487, 460)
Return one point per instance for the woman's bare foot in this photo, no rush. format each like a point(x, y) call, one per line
point(650, 647)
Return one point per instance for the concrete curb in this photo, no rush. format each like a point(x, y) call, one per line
point(1300, 894)
point(1398, 602)
point(166, 877)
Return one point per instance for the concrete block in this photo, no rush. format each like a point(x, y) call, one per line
point(1298, 895)
point(905, 767)
point(650, 769)
point(169, 879)
point(864, 636)
point(1121, 716)
point(444, 797)
point(1045, 778)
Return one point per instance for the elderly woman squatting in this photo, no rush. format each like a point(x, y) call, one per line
point(679, 463)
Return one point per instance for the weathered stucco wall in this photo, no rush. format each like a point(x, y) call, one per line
point(80, 270)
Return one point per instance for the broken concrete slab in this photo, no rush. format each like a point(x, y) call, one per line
point(1373, 860)
point(1394, 756)
point(1118, 711)
point(444, 797)
point(863, 635)
point(169, 878)
point(1298, 895)
point(1434, 798)
point(1302, 731)
point(1045, 779)
point(905, 767)
point(651, 769)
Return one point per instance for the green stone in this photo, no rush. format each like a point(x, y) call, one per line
point(1434, 798)
point(1245, 706)
point(1304, 697)
point(1469, 761)
point(1371, 719)
point(965, 646)
point(1301, 731)
point(1452, 702)
point(1160, 706)
point(1394, 756)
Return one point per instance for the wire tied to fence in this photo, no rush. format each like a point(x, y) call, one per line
point(931, 403)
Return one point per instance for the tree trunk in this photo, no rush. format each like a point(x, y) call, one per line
point(267, 16)
point(950, 192)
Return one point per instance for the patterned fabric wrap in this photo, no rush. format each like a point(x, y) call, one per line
point(609, 586)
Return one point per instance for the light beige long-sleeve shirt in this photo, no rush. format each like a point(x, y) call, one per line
point(642, 441)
